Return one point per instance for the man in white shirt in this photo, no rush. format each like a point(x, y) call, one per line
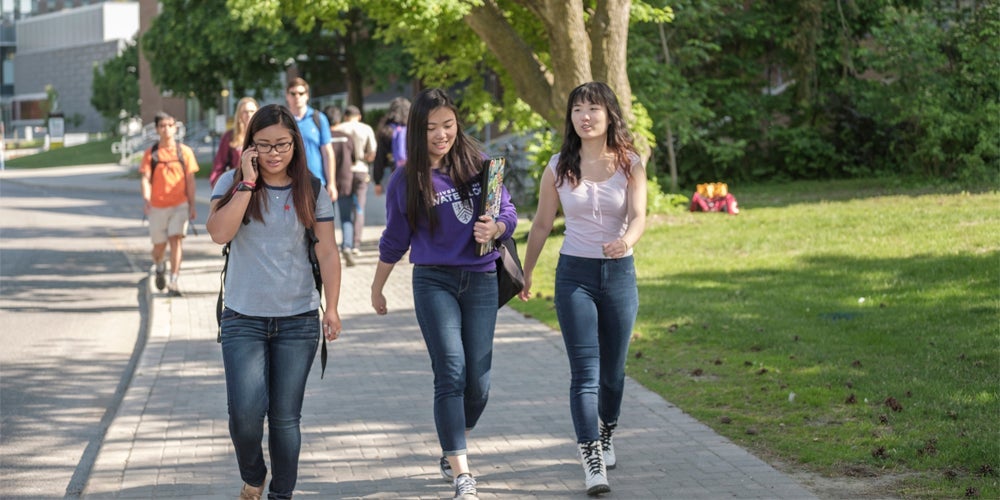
point(352, 208)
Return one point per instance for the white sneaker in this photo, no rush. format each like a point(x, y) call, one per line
point(172, 288)
point(610, 461)
point(594, 473)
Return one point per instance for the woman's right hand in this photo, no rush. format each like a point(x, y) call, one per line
point(247, 160)
point(378, 303)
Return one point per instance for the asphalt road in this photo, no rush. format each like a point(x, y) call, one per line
point(73, 265)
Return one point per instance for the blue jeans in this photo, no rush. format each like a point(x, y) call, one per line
point(267, 363)
point(352, 211)
point(457, 313)
point(596, 303)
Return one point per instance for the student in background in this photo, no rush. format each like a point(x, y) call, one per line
point(600, 183)
point(352, 205)
point(231, 144)
point(391, 136)
point(343, 152)
point(168, 187)
point(315, 132)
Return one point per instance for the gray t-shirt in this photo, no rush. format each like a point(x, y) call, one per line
point(269, 273)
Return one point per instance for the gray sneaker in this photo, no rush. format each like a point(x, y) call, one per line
point(465, 487)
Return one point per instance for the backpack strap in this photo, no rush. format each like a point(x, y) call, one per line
point(154, 159)
point(222, 287)
point(311, 241)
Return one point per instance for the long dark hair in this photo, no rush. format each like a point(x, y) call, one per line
point(462, 163)
point(302, 196)
point(619, 138)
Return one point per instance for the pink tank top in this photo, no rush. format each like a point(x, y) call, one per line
point(596, 213)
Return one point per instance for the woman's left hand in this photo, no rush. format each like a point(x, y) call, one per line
point(615, 249)
point(331, 325)
point(486, 229)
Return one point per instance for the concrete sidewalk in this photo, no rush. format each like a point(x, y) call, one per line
point(368, 428)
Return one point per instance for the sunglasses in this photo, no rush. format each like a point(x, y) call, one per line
point(294, 93)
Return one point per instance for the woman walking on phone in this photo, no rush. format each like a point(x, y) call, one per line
point(270, 326)
point(600, 182)
point(431, 208)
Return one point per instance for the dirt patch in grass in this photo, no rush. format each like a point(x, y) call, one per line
point(851, 483)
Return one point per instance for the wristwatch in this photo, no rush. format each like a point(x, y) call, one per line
point(244, 187)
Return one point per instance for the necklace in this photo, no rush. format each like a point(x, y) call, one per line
point(277, 196)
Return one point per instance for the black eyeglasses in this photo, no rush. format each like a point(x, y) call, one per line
point(281, 147)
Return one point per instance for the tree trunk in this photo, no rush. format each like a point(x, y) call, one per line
point(671, 154)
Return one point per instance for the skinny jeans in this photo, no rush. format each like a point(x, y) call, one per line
point(352, 211)
point(457, 313)
point(267, 362)
point(596, 304)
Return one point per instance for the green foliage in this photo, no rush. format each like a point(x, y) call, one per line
point(867, 88)
point(658, 202)
point(945, 79)
point(196, 49)
point(116, 87)
point(753, 308)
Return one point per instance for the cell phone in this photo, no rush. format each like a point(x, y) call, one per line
point(253, 162)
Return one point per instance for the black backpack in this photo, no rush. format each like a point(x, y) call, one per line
point(311, 241)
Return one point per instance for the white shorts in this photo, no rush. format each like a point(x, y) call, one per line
point(167, 222)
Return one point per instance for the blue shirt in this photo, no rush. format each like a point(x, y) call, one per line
point(313, 140)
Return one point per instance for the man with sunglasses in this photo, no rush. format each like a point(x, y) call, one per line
point(315, 131)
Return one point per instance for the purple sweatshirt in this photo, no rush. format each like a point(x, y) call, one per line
point(452, 243)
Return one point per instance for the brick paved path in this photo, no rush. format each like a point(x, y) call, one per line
point(368, 427)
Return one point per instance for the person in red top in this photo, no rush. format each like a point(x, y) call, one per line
point(231, 144)
point(168, 188)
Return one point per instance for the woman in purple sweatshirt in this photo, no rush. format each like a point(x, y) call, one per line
point(431, 210)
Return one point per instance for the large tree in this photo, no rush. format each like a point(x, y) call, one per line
point(539, 50)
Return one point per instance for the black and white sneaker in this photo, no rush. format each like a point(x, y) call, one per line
point(446, 472)
point(594, 473)
point(465, 487)
point(606, 430)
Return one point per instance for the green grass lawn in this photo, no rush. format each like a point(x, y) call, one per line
point(849, 327)
point(85, 154)
point(91, 153)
